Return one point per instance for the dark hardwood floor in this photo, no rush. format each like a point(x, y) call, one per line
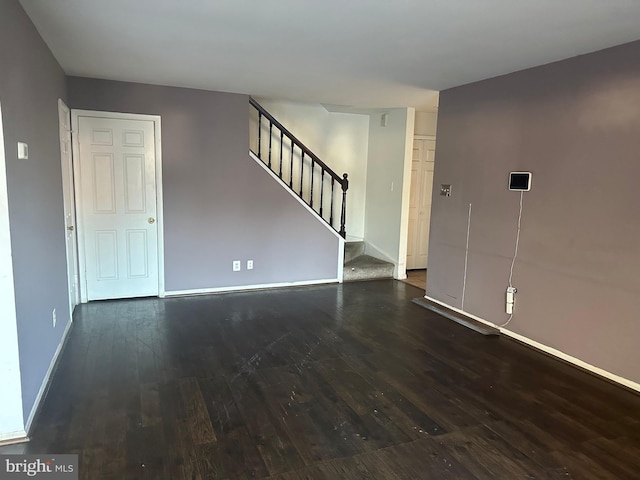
point(326, 382)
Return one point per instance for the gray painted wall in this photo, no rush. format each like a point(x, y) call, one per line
point(31, 81)
point(219, 205)
point(576, 125)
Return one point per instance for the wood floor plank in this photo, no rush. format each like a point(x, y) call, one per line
point(481, 458)
point(150, 404)
point(196, 415)
point(236, 446)
point(272, 440)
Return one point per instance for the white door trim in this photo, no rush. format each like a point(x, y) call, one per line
point(75, 115)
point(400, 271)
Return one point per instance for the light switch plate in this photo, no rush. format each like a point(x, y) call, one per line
point(23, 151)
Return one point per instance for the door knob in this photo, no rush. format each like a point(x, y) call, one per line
point(70, 228)
point(151, 220)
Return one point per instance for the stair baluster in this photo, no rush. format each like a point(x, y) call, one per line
point(311, 194)
point(321, 192)
point(291, 167)
point(281, 147)
point(270, 138)
point(331, 214)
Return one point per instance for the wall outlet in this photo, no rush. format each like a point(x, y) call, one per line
point(236, 265)
point(511, 299)
point(249, 264)
point(445, 190)
point(54, 318)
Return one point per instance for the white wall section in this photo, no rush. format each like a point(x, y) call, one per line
point(388, 186)
point(426, 123)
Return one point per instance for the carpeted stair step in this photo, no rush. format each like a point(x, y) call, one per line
point(365, 267)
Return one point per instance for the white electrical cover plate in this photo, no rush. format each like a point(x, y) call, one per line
point(23, 151)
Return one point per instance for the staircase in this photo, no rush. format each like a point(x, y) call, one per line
point(298, 168)
point(359, 266)
point(322, 189)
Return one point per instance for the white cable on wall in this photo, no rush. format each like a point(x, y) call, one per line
point(466, 257)
point(515, 253)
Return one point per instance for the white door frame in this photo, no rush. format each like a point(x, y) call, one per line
point(67, 183)
point(75, 114)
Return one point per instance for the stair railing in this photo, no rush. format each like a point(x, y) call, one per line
point(299, 168)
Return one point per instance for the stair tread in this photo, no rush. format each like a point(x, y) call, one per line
point(366, 261)
point(366, 267)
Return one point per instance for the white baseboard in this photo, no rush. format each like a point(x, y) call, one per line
point(242, 288)
point(545, 348)
point(9, 438)
point(45, 383)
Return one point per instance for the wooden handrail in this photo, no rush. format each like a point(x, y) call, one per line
point(298, 143)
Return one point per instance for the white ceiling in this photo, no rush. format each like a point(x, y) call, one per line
point(363, 53)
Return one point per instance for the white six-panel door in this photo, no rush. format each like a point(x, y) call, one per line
point(118, 207)
point(420, 203)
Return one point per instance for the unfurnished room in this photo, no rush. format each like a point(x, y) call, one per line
point(319, 240)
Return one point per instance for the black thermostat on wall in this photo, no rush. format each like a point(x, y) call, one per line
point(520, 181)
